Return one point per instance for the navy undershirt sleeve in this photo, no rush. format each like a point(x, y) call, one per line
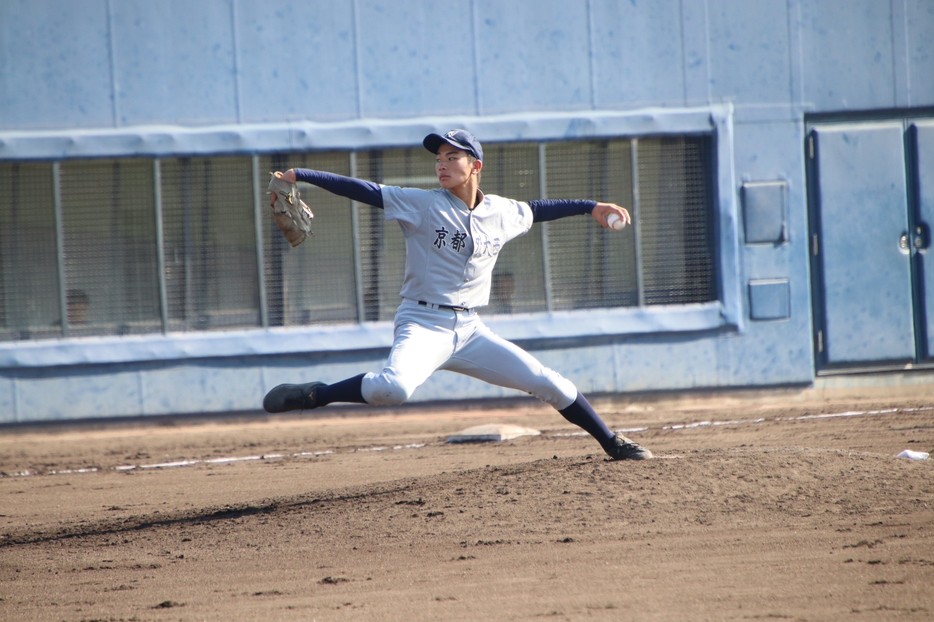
point(552, 209)
point(371, 194)
point(349, 187)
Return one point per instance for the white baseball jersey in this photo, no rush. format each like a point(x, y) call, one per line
point(451, 250)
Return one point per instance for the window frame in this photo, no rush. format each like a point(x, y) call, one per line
point(716, 121)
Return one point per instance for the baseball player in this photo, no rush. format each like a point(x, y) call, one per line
point(453, 235)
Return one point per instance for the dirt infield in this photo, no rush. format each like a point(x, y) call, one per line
point(751, 511)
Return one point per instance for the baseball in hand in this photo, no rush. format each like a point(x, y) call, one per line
point(615, 221)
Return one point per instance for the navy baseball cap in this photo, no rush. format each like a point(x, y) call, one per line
point(462, 139)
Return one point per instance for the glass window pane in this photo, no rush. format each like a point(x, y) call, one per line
point(209, 243)
point(675, 220)
point(591, 266)
point(29, 290)
point(313, 282)
point(108, 215)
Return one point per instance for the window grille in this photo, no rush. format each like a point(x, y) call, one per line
point(591, 266)
point(209, 244)
point(30, 302)
point(136, 245)
point(382, 247)
point(109, 246)
point(314, 283)
point(512, 170)
point(675, 223)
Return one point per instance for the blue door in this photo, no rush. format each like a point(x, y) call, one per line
point(922, 150)
point(861, 247)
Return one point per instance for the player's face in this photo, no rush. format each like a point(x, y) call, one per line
point(454, 166)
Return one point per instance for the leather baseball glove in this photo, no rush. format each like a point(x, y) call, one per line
point(291, 214)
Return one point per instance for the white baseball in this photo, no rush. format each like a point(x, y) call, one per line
point(615, 221)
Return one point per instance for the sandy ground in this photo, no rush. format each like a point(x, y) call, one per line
point(752, 510)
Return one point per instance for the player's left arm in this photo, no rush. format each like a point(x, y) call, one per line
point(552, 209)
point(349, 187)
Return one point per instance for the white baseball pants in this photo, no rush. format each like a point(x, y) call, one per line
point(427, 339)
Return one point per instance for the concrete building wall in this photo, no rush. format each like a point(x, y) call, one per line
point(87, 78)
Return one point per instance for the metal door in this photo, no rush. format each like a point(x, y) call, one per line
point(922, 151)
point(862, 246)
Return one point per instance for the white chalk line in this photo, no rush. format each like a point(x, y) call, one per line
point(178, 463)
point(314, 454)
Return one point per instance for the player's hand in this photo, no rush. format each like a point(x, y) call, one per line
point(289, 176)
point(602, 210)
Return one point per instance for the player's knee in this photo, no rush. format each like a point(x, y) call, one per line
point(383, 390)
point(390, 395)
point(555, 390)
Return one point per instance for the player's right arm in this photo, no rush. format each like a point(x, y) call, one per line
point(552, 209)
point(349, 187)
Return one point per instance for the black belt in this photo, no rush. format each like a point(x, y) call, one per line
point(448, 307)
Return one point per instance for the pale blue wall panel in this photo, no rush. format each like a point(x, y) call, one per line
point(749, 51)
point(685, 361)
point(416, 57)
point(215, 61)
point(577, 362)
point(847, 54)
point(296, 60)
point(919, 35)
point(637, 54)
point(532, 57)
point(202, 386)
point(54, 64)
point(7, 400)
point(174, 62)
point(695, 39)
point(781, 161)
point(776, 352)
point(82, 393)
point(771, 352)
point(634, 364)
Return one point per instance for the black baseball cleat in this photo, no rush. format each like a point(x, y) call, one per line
point(288, 397)
point(626, 449)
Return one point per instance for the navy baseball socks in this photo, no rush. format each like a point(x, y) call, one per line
point(617, 446)
point(310, 395)
point(286, 397)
